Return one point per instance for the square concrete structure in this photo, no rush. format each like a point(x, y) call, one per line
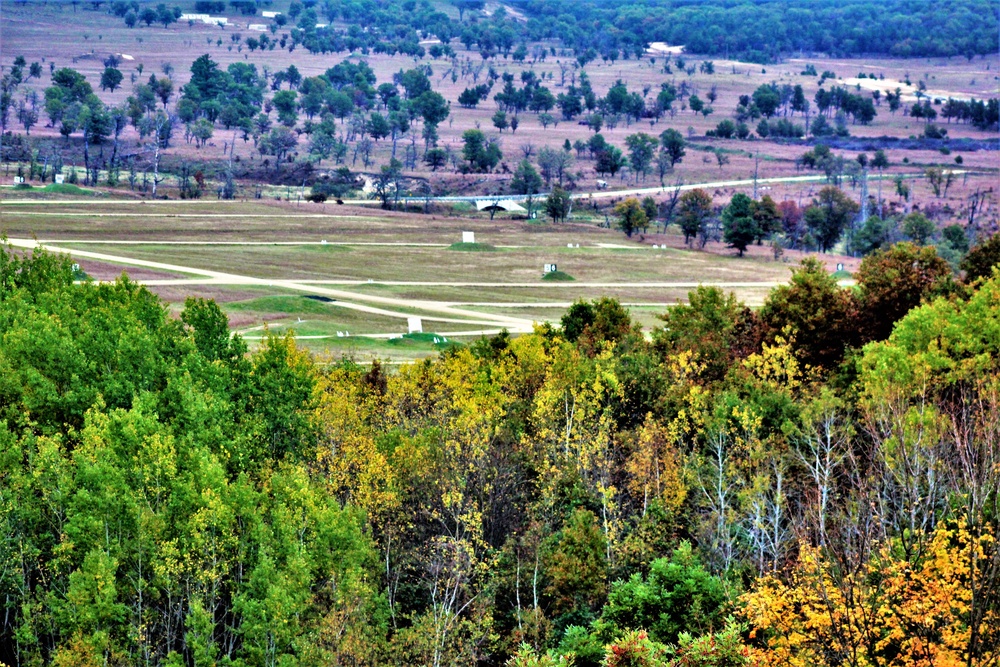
point(468, 237)
point(414, 324)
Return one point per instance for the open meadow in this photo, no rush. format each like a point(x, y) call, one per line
point(304, 267)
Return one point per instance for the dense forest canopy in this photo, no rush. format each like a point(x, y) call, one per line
point(749, 29)
point(767, 29)
point(760, 30)
point(580, 495)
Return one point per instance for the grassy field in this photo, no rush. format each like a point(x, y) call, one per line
point(290, 267)
point(429, 264)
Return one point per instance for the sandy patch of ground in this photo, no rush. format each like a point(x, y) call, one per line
point(492, 7)
point(664, 48)
point(909, 92)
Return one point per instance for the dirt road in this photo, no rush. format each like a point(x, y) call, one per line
point(599, 194)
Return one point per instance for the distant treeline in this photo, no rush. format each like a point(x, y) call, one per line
point(761, 31)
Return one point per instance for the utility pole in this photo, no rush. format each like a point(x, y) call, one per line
point(863, 214)
point(864, 194)
point(756, 166)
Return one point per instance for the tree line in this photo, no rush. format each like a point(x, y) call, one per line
point(763, 32)
point(760, 32)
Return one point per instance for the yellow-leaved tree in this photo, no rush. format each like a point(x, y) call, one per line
point(573, 415)
point(908, 573)
point(887, 613)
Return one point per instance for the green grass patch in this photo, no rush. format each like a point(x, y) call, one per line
point(65, 189)
point(23, 186)
point(423, 340)
point(472, 247)
point(715, 149)
point(289, 305)
point(842, 275)
point(557, 276)
point(328, 248)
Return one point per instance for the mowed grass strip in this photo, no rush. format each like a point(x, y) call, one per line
point(117, 220)
point(364, 350)
point(472, 247)
point(322, 315)
point(429, 264)
point(287, 305)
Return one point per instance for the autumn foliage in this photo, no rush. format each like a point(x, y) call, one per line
point(796, 486)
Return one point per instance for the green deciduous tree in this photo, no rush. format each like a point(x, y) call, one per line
point(576, 566)
point(432, 107)
point(111, 79)
point(641, 150)
point(610, 160)
point(481, 154)
point(558, 204)
point(918, 227)
point(815, 312)
point(892, 281)
point(631, 216)
point(279, 142)
point(286, 103)
point(202, 130)
point(527, 182)
point(767, 99)
point(500, 121)
point(693, 212)
point(739, 228)
point(830, 214)
point(554, 163)
point(872, 235)
point(981, 260)
point(677, 596)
